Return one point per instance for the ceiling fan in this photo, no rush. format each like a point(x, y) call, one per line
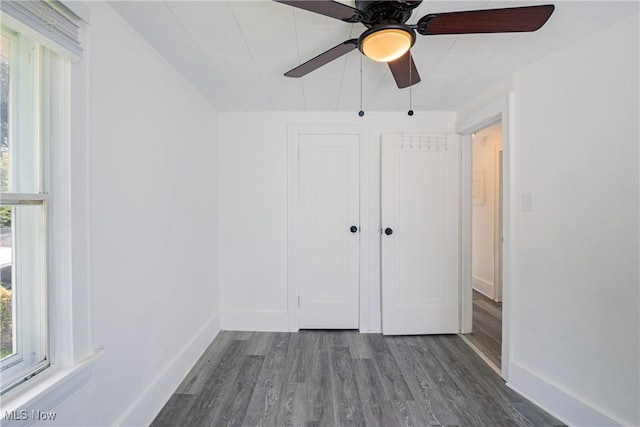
point(388, 38)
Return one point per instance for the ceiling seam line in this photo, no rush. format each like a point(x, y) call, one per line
point(196, 45)
point(295, 29)
point(253, 61)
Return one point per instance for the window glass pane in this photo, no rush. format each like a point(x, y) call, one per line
point(5, 78)
point(23, 293)
point(20, 122)
point(6, 287)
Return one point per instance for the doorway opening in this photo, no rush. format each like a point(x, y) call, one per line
point(486, 242)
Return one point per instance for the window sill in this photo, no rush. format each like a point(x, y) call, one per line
point(45, 391)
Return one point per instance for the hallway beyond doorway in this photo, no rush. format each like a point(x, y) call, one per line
point(487, 328)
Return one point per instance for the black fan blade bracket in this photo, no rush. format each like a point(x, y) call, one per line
point(422, 27)
point(506, 20)
point(330, 8)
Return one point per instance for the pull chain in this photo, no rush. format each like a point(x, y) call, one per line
point(361, 112)
point(410, 112)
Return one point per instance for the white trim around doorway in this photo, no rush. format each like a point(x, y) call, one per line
point(501, 109)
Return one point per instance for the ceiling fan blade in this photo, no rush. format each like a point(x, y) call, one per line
point(329, 8)
point(323, 59)
point(404, 71)
point(508, 20)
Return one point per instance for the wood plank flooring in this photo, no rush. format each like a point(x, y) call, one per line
point(331, 378)
point(487, 327)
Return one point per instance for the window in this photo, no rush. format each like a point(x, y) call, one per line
point(24, 331)
point(46, 304)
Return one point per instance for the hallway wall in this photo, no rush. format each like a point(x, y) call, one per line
point(486, 142)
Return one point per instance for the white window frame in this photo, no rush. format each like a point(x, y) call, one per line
point(28, 181)
point(73, 355)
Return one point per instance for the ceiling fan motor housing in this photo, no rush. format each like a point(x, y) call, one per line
point(379, 12)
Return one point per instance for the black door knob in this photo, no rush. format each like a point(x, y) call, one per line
point(388, 231)
point(353, 229)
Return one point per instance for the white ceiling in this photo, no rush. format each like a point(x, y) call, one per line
point(235, 52)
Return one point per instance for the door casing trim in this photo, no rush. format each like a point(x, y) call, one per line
point(502, 109)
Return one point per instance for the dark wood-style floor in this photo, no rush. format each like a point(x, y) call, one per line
point(487, 327)
point(326, 378)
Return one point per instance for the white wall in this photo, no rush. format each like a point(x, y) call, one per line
point(574, 293)
point(154, 236)
point(153, 226)
point(253, 209)
point(485, 144)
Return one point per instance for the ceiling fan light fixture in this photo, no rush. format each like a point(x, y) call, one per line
point(387, 44)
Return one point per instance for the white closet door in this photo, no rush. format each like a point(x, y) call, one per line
point(329, 231)
point(420, 234)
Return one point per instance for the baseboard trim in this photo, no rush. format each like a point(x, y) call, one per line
point(553, 398)
point(482, 286)
point(145, 408)
point(254, 320)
